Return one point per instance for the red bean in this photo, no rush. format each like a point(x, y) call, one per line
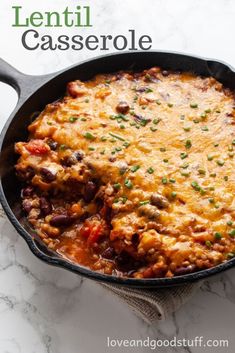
point(26, 173)
point(27, 206)
point(165, 73)
point(52, 144)
point(108, 253)
point(61, 220)
point(159, 200)
point(180, 271)
point(122, 107)
point(68, 161)
point(45, 206)
point(89, 191)
point(26, 192)
point(47, 175)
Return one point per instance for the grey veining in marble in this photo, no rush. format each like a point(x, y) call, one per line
point(48, 310)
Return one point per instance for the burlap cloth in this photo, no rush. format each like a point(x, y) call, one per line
point(154, 305)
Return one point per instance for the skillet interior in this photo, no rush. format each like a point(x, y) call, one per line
point(16, 130)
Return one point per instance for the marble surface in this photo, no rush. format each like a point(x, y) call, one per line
point(46, 309)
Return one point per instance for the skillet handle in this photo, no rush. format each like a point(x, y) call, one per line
point(24, 84)
point(9, 75)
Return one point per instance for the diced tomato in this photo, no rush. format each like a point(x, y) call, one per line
point(37, 147)
point(92, 231)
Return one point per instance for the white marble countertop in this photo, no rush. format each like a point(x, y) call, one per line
point(46, 309)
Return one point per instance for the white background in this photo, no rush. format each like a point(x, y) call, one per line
point(44, 309)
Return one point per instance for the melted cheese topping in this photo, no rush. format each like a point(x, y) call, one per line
point(161, 146)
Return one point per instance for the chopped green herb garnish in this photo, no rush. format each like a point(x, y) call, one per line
point(196, 121)
point(156, 121)
point(187, 128)
point(165, 160)
point(183, 155)
point(134, 168)
point(210, 157)
point(173, 194)
point(225, 178)
point(230, 223)
point(103, 138)
point(208, 243)
point(208, 110)
point(144, 122)
point(89, 136)
point(218, 235)
point(232, 233)
point(171, 180)
point(122, 126)
point(158, 102)
point(184, 166)
point(128, 184)
point(188, 144)
point(87, 100)
point(118, 149)
point(91, 148)
point(202, 171)
point(220, 162)
point(230, 255)
point(117, 186)
point(63, 147)
point(142, 203)
point(211, 200)
point(170, 105)
point(203, 115)
point(162, 149)
point(121, 117)
point(213, 175)
point(184, 173)
point(150, 170)
point(216, 144)
point(164, 180)
point(148, 90)
point(193, 105)
point(153, 128)
point(72, 119)
point(205, 128)
point(233, 142)
point(49, 123)
point(196, 186)
point(116, 136)
point(126, 144)
point(83, 119)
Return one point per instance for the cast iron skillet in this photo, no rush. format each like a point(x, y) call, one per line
point(36, 91)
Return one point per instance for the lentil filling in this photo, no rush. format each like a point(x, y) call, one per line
point(132, 174)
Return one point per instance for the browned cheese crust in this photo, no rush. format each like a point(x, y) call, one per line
point(133, 174)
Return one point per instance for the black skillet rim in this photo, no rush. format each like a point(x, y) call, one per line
point(86, 272)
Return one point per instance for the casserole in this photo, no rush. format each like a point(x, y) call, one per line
point(119, 61)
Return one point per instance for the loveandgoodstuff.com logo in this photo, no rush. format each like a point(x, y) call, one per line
point(157, 344)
